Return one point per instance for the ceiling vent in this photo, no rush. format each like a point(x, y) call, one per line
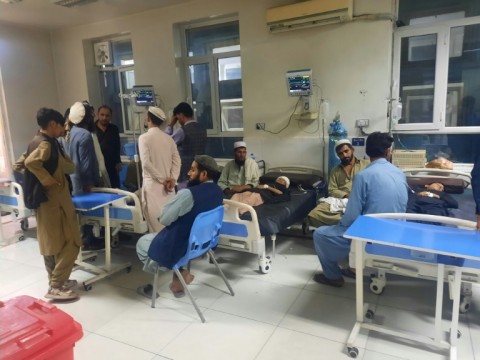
point(308, 14)
point(72, 3)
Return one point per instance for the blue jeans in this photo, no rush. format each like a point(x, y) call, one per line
point(331, 247)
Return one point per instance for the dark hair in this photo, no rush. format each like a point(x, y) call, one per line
point(155, 119)
point(183, 108)
point(211, 174)
point(105, 107)
point(377, 144)
point(45, 115)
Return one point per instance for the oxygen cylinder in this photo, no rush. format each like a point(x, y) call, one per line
point(336, 132)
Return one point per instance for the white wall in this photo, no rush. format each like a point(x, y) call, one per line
point(345, 59)
point(27, 67)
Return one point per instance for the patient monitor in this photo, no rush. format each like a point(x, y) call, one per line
point(299, 82)
point(144, 95)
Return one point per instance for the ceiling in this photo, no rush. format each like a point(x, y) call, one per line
point(46, 15)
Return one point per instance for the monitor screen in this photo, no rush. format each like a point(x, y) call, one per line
point(144, 95)
point(299, 82)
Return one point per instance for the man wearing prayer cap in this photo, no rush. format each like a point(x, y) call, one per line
point(160, 166)
point(166, 247)
point(330, 211)
point(239, 174)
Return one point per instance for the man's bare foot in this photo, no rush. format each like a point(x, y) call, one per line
point(187, 276)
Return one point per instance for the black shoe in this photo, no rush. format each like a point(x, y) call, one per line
point(322, 279)
point(348, 273)
point(94, 246)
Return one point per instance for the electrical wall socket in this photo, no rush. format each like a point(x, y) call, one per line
point(361, 123)
point(260, 126)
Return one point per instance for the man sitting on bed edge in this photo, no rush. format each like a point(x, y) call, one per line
point(239, 174)
point(329, 210)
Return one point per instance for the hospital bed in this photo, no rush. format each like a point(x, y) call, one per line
point(11, 201)
point(457, 184)
point(125, 215)
point(248, 232)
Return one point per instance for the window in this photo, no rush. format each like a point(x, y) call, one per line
point(116, 83)
point(213, 68)
point(437, 67)
point(436, 75)
point(5, 142)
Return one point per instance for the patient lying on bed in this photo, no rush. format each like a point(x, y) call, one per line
point(432, 200)
point(269, 194)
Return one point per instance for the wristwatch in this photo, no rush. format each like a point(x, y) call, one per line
point(265, 186)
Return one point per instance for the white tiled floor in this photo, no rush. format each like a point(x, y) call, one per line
point(281, 315)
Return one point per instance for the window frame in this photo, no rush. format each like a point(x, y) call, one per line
point(212, 61)
point(442, 30)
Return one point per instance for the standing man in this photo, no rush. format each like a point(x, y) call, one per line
point(339, 185)
point(239, 174)
point(169, 245)
point(476, 186)
point(160, 167)
point(109, 139)
point(57, 226)
point(191, 138)
point(380, 188)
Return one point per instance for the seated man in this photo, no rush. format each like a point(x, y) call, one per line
point(239, 174)
point(339, 186)
point(380, 188)
point(166, 247)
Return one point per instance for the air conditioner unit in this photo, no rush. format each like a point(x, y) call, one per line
point(309, 13)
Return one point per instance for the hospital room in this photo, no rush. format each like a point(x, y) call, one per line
point(296, 260)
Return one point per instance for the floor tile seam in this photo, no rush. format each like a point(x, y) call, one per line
point(329, 294)
point(243, 317)
point(124, 343)
point(265, 344)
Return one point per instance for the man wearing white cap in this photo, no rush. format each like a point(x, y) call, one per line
point(160, 166)
point(239, 174)
point(330, 211)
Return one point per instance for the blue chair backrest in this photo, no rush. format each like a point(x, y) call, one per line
point(203, 236)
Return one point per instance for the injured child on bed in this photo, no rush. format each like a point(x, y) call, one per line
point(432, 200)
point(265, 194)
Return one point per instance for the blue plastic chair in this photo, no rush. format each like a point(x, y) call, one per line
point(204, 237)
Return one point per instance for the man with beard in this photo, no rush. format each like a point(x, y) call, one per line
point(166, 247)
point(380, 188)
point(239, 174)
point(330, 210)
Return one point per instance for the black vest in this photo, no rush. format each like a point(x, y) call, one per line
point(33, 191)
point(193, 144)
point(171, 243)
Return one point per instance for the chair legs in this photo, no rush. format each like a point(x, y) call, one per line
point(154, 291)
point(212, 257)
point(185, 287)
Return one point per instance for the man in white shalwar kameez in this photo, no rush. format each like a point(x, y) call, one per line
point(160, 166)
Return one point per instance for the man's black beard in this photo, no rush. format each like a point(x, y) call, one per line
point(239, 162)
point(346, 161)
point(193, 182)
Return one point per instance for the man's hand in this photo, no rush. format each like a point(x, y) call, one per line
point(173, 120)
point(169, 184)
point(87, 188)
point(478, 222)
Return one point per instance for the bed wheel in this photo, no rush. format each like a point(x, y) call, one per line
point(352, 352)
point(465, 303)
point(369, 314)
point(87, 287)
point(264, 264)
point(21, 238)
point(114, 241)
point(129, 269)
point(376, 286)
point(24, 224)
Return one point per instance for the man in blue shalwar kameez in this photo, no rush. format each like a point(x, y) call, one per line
point(379, 188)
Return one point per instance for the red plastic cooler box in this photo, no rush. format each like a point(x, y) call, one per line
point(36, 330)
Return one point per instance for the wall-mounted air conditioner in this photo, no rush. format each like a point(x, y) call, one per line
point(309, 13)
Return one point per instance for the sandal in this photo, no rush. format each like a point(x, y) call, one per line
point(177, 294)
point(61, 294)
point(69, 284)
point(147, 291)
